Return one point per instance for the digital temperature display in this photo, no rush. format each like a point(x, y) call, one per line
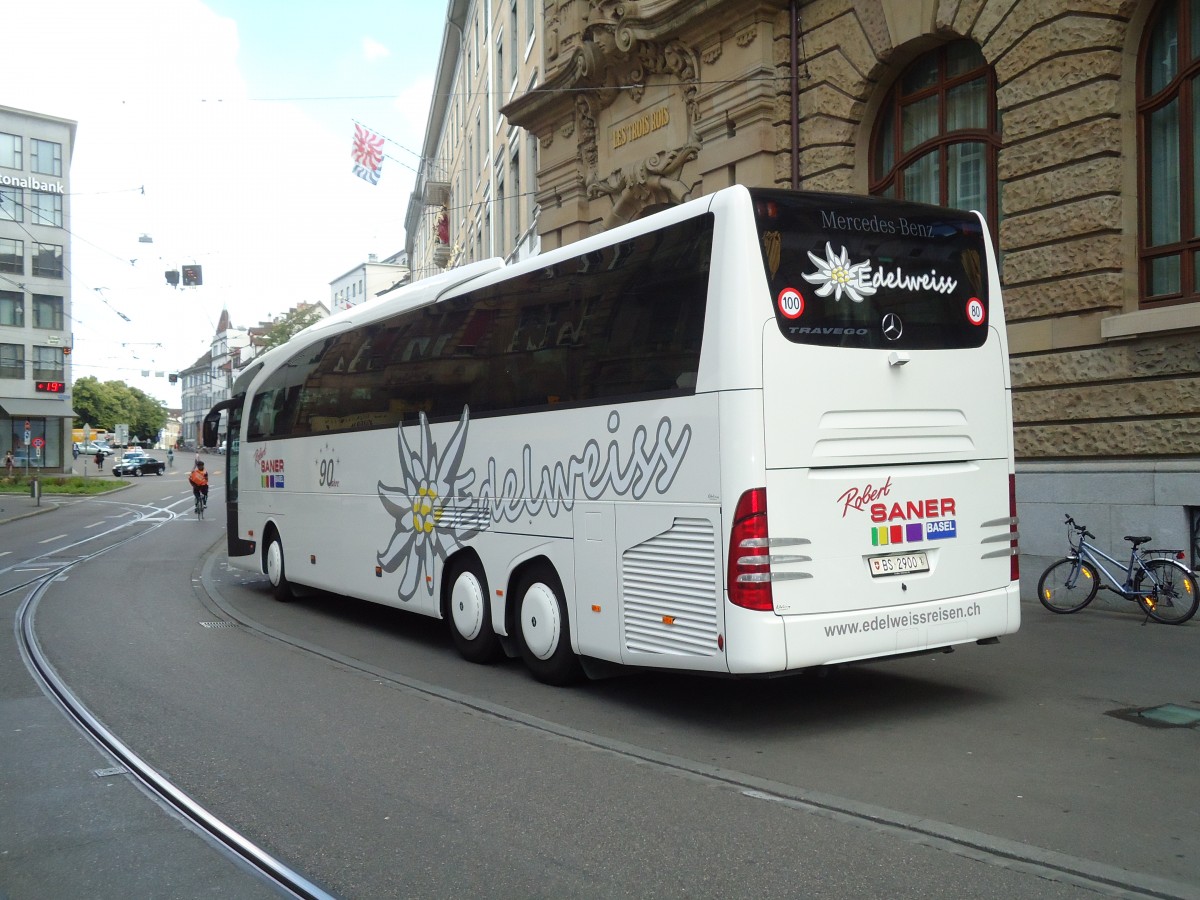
point(51, 387)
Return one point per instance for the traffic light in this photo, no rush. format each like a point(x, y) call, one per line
point(192, 276)
point(172, 277)
point(173, 377)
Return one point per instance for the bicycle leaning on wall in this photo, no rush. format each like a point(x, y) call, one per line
point(1155, 579)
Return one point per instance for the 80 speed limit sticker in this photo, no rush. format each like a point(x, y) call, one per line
point(975, 311)
point(791, 303)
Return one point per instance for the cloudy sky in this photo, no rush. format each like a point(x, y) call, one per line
point(222, 131)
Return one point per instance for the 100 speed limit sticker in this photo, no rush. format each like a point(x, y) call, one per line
point(791, 304)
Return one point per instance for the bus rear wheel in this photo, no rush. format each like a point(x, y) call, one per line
point(276, 570)
point(544, 628)
point(470, 614)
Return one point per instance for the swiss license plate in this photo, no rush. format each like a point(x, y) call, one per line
point(898, 563)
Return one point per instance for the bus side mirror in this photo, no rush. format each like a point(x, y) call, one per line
point(212, 424)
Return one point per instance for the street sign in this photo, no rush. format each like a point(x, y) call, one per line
point(39, 443)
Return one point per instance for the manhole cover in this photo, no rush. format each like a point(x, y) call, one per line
point(1169, 715)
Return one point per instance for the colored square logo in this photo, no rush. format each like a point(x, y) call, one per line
point(913, 532)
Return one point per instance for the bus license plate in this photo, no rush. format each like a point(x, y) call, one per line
point(898, 563)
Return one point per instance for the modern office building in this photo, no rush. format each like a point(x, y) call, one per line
point(35, 288)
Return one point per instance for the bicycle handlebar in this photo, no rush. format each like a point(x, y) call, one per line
point(1082, 529)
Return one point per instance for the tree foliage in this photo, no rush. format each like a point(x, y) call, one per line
point(104, 405)
point(291, 322)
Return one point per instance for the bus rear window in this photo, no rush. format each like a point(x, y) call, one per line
point(873, 273)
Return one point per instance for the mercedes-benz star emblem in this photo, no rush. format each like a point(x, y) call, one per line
point(892, 327)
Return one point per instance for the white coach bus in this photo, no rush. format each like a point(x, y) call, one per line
point(755, 433)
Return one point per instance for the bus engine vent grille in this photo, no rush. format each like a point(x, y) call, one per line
point(669, 591)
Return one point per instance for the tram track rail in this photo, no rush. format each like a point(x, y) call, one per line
point(52, 565)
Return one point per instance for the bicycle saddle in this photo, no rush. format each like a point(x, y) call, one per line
point(1136, 539)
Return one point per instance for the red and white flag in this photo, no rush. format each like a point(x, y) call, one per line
point(368, 154)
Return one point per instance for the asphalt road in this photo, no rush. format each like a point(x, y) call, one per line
point(353, 743)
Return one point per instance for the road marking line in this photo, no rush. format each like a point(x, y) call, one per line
point(57, 537)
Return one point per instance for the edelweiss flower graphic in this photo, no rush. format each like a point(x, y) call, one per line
point(836, 276)
point(433, 512)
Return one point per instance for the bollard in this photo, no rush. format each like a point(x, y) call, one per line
point(35, 490)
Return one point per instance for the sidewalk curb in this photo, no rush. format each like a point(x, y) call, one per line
point(11, 511)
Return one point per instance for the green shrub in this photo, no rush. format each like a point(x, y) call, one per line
point(61, 484)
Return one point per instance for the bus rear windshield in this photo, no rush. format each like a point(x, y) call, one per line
point(873, 273)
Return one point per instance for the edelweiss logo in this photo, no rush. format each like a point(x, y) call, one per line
point(837, 275)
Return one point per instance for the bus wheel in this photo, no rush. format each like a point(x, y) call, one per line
point(469, 613)
point(275, 570)
point(545, 629)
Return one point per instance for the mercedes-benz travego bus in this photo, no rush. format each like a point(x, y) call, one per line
point(758, 432)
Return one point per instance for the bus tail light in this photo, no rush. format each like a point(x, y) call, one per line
point(1014, 572)
point(749, 567)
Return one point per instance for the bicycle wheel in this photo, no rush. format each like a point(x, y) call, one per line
point(1174, 596)
point(1067, 586)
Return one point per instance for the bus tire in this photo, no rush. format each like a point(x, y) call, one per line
point(544, 629)
point(276, 570)
point(469, 612)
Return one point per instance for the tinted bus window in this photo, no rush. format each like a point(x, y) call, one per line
point(862, 272)
point(621, 323)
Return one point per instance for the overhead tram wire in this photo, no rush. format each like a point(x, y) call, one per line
point(66, 269)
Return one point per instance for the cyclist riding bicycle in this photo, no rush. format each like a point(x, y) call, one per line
point(199, 480)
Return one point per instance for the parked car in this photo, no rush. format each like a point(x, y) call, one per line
point(91, 448)
point(139, 463)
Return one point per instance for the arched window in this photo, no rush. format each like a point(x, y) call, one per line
point(937, 134)
point(1169, 170)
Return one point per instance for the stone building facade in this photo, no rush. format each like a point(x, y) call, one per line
point(1068, 122)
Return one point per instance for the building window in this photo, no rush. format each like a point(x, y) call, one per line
point(10, 151)
point(937, 134)
point(12, 255)
point(12, 309)
point(516, 196)
point(47, 312)
point(12, 204)
point(46, 209)
point(45, 157)
point(532, 156)
point(48, 260)
point(500, 64)
point(512, 28)
point(12, 361)
point(48, 364)
point(500, 237)
point(1169, 170)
